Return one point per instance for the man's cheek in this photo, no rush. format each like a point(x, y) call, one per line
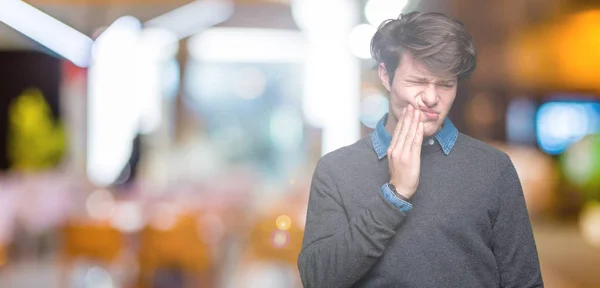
point(419, 100)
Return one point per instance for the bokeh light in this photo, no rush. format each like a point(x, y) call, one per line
point(128, 217)
point(520, 121)
point(98, 277)
point(359, 40)
point(589, 223)
point(280, 239)
point(559, 124)
point(100, 204)
point(372, 107)
point(378, 11)
point(283, 222)
point(581, 165)
point(112, 91)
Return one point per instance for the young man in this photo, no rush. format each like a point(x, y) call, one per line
point(418, 204)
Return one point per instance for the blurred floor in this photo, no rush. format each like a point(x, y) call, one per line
point(561, 248)
point(30, 275)
point(567, 262)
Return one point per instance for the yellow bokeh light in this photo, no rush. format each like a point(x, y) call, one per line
point(283, 222)
point(568, 46)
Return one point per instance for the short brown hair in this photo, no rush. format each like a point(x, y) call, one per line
point(440, 42)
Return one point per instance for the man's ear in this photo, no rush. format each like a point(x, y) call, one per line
point(384, 76)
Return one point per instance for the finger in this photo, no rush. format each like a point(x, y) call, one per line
point(404, 130)
point(412, 132)
point(418, 141)
point(397, 130)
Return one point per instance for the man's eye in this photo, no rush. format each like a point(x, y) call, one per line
point(447, 85)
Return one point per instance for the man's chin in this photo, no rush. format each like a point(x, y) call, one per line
point(430, 129)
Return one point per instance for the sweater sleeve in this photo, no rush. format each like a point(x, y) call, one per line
point(338, 251)
point(513, 242)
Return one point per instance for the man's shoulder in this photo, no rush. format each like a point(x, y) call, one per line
point(348, 155)
point(476, 148)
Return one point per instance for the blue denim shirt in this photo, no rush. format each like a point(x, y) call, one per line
point(446, 138)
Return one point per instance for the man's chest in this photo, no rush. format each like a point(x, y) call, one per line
point(448, 232)
point(447, 198)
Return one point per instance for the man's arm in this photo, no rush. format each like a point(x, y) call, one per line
point(337, 251)
point(339, 247)
point(513, 242)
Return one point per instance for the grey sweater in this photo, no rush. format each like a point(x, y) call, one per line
point(469, 225)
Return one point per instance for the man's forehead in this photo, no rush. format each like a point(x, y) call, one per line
point(414, 68)
point(429, 78)
point(421, 73)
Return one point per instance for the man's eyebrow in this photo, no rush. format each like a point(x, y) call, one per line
point(423, 79)
point(448, 81)
point(417, 78)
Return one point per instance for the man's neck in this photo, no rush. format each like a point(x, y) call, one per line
point(391, 124)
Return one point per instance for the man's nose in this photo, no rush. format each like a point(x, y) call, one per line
point(429, 96)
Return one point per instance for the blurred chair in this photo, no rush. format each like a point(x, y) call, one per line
point(271, 253)
point(97, 241)
point(178, 248)
point(268, 243)
point(94, 241)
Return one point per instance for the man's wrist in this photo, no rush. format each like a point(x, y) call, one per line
point(398, 194)
point(393, 199)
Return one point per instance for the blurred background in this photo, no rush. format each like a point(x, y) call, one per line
point(155, 143)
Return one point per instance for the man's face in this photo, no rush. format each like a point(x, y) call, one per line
point(414, 85)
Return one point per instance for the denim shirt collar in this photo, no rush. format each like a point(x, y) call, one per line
point(446, 137)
